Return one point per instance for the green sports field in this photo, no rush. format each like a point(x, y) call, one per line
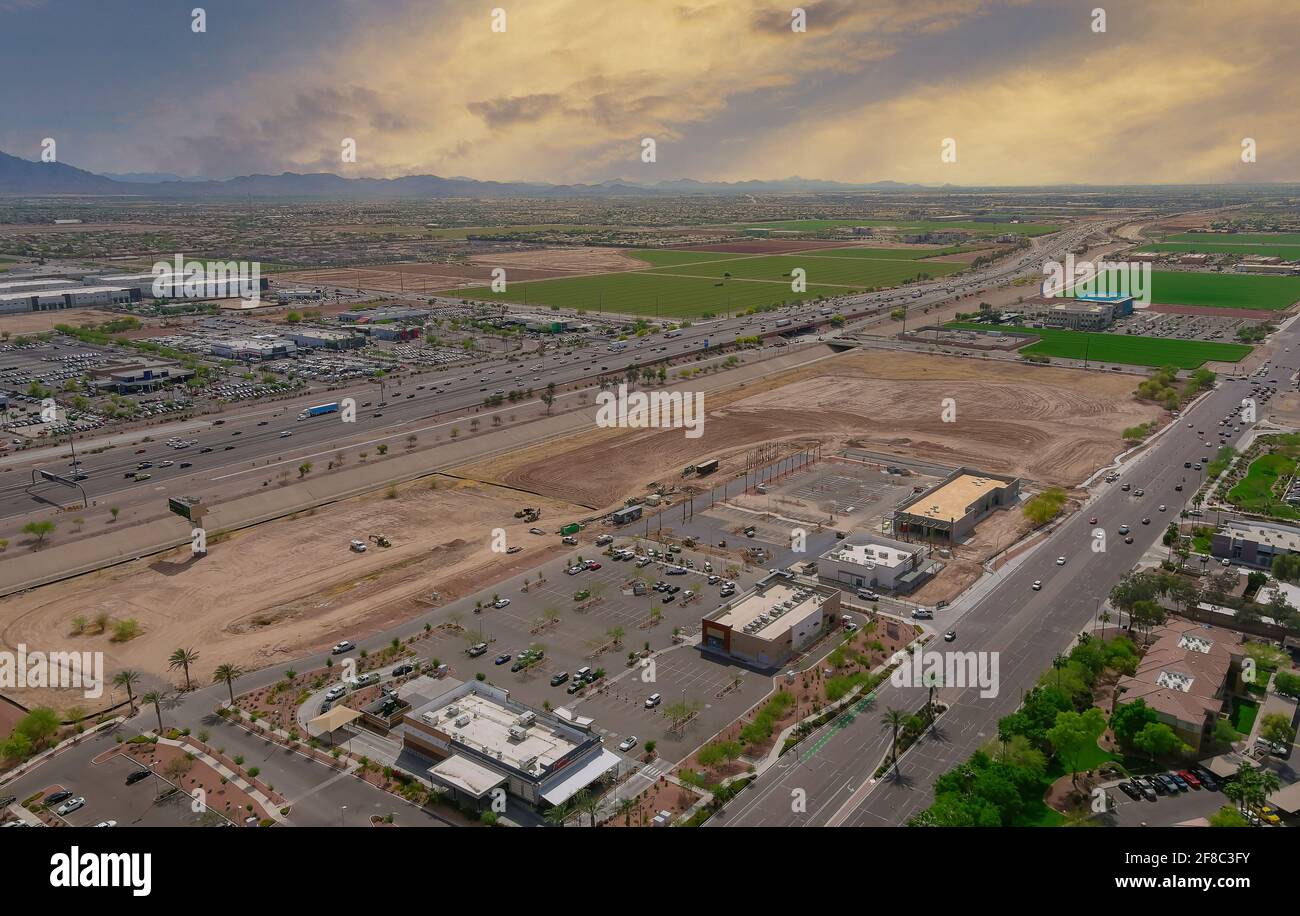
point(1224, 291)
point(1127, 349)
point(1237, 238)
point(689, 284)
point(923, 225)
point(1286, 252)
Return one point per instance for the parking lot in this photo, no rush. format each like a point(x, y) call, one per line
point(1180, 327)
point(846, 494)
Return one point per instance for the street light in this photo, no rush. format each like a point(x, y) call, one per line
point(342, 812)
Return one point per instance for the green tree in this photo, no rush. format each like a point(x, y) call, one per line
point(227, 674)
point(182, 659)
point(1073, 736)
point(1157, 740)
point(39, 530)
point(1129, 719)
point(127, 679)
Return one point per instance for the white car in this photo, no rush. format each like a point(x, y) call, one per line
point(358, 546)
point(335, 692)
point(500, 603)
point(1038, 584)
point(340, 647)
point(1060, 561)
point(107, 824)
point(71, 805)
point(627, 743)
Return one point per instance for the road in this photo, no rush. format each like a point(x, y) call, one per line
point(1026, 628)
point(251, 438)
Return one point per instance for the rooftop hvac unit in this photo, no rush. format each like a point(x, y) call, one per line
point(430, 718)
point(462, 721)
point(517, 733)
point(453, 711)
point(527, 719)
point(527, 763)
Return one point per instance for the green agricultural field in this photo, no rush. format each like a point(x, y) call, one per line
point(1126, 349)
point(924, 225)
point(692, 283)
point(1237, 238)
point(1255, 492)
point(1285, 252)
point(850, 273)
point(1230, 291)
point(466, 231)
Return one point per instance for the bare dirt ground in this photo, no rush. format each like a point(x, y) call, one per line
point(278, 590)
point(36, 322)
point(1002, 528)
point(570, 260)
point(1055, 426)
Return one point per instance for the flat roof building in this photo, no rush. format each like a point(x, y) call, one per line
point(770, 623)
point(125, 378)
point(1254, 543)
point(950, 510)
point(324, 338)
point(864, 559)
point(249, 348)
point(65, 297)
point(473, 739)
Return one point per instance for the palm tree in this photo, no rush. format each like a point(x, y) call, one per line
point(156, 698)
point(226, 674)
point(625, 807)
point(127, 679)
point(1058, 662)
point(893, 719)
point(183, 658)
point(1105, 618)
point(557, 815)
point(616, 634)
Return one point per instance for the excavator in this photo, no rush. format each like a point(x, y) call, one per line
point(381, 540)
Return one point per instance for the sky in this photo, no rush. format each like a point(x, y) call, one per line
point(1028, 91)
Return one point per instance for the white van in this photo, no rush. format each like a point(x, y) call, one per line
point(583, 674)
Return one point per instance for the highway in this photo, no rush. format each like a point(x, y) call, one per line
point(249, 438)
point(834, 766)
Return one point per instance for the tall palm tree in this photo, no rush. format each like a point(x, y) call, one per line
point(557, 815)
point(183, 658)
point(156, 698)
point(893, 719)
point(625, 807)
point(1105, 618)
point(127, 679)
point(1058, 662)
point(227, 674)
point(590, 804)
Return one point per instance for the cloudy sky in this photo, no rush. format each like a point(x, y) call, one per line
point(727, 89)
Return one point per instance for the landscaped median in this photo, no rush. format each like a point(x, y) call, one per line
point(1125, 349)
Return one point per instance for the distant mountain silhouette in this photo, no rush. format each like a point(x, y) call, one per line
point(22, 177)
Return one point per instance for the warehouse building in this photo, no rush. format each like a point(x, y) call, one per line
point(324, 338)
point(66, 297)
point(34, 284)
point(625, 515)
point(222, 284)
point(949, 511)
point(383, 313)
point(768, 625)
point(864, 559)
point(473, 740)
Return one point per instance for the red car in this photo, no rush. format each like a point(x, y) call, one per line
point(592, 564)
point(1190, 777)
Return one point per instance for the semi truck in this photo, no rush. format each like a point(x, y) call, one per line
point(332, 407)
point(782, 322)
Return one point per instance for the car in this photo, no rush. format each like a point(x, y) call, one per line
point(1123, 529)
point(1178, 487)
point(714, 580)
point(1167, 782)
point(55, 797)
point(358, 546)
point(136, 775)
point(558, 679)
point(500, 603)
point(285, 434)
point(867, 594)
point(536, 531)
point(1146, 521)
point(404, 668)
point(476, 650)
point(1265, 813)
point(502, 658)
point(1145, 787)
point(236, 433)
point(1038, 585)
point(574, 570)
point(1208, 779)
point(653, 700)
point(514, 549)
point(950, 636)
point(669, 598)
point(1190, 778)
point(520, 664)
point(71, 805)
point(592, 564)
point(205, 450)
point(339, 648)
point(186, 464)
point(107, 824)
point(1060, 561)
point(575, 687)
point(1126, 487)
point(628, 743)
point(1129, 539)
point(326, 706)
point(335, 692)
point(922, 614)
point(569, 540)
point(1093, 520)
point(1139, 492)
point(1130, 790)
point(263, 422)
point(228, 448)
point(1179, 781)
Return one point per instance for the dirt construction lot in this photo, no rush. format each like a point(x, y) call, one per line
point(1054, 426)
point(279, 590)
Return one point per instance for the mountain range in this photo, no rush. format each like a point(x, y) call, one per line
point(24, 178)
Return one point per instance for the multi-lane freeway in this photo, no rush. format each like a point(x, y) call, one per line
point(1004, 615)
point(252, 438)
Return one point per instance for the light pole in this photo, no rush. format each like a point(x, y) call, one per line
point(343, 810)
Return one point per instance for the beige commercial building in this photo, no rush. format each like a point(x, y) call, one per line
point(772, 622)
point(949, 511)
